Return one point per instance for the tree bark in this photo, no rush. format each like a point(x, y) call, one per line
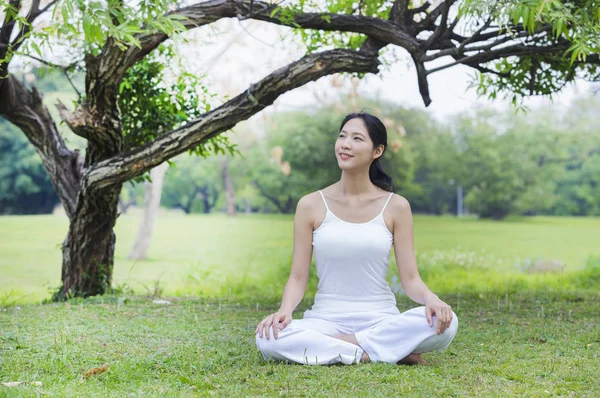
point(88, 250)
point(229, 190)
point(153, 192)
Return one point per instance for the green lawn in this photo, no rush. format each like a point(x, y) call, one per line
point(520, 334)
point(515, 345)
point(220, 256)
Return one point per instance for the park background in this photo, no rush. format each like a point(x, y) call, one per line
point(506, 204)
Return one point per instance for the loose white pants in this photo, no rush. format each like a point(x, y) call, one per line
point(386, 336)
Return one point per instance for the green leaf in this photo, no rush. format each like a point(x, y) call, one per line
point(36, 48)
point(88, 27)
point(525, 16)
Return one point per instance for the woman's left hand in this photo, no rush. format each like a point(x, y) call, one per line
point(441, 310)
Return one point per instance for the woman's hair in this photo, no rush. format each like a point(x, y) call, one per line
point(378, 134)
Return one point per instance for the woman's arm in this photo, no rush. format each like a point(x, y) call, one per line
point(298, 279)
point(301, 257)
point(411, 281)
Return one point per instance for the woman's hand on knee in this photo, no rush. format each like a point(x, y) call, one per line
point(441, 310)
point(281, 320)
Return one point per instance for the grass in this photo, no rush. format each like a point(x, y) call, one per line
point(526, 345)
point(520, 333)
point(219, 256)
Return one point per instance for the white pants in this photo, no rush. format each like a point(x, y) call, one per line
point(386, 336)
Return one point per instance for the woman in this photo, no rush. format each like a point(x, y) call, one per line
point(352, 226)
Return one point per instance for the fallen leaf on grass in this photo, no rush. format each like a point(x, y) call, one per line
point(18, 383)
point(95, 371)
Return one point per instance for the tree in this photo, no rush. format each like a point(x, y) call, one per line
point(24, 184)
point(150, 106)
point(193, 184)
point(531, 47)
point(153, 192)
point(502, 163)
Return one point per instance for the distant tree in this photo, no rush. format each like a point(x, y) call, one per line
point(24, 184)
point(193, 184)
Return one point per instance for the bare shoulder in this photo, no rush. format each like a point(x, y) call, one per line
point(308, 207)
point(308, 202)
point(399, 202)
point(399, 205)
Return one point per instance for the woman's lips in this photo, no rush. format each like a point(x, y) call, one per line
point(343, 156)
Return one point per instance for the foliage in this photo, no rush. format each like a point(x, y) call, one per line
point(89, 24)
point(148, 108)
point(500, 168)
point(151, 107)
point(574, 24)
point(193, 184)
point(24, 184)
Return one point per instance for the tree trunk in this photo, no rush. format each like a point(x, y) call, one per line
point(283, 208)
point(228, 186)
point(88, 250)
point(209, 198)
point(153, 191)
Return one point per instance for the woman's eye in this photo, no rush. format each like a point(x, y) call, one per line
point(357, 138)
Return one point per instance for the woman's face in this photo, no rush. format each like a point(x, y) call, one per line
point(354, 147)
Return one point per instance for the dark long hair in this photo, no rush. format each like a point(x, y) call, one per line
point(378, 134)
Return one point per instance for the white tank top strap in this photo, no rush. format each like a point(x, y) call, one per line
point(386, 202)
point(324, 201)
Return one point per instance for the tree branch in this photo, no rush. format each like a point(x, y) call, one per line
point(517, 49)
point(400, 13)
point(258, 96)
point(422, 80)
point(272, 198)
point(25, 109)
point(441, 28)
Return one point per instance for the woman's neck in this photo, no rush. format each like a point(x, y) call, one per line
point(355, 184)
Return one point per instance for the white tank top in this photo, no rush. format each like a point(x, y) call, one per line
point(352, 264)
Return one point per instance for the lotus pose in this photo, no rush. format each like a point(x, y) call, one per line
point(352, 226)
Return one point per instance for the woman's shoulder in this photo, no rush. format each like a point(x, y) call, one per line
point(309, 201)
point(399, 203)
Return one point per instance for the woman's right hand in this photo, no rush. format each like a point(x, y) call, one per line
point(280, 319)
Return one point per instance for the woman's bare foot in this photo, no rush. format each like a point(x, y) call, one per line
point(351, 339)
point(413, 359)
point(365, 357)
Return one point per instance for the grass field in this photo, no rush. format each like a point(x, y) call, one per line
point(219, 256)
point(520, 334)
point(515, 345)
